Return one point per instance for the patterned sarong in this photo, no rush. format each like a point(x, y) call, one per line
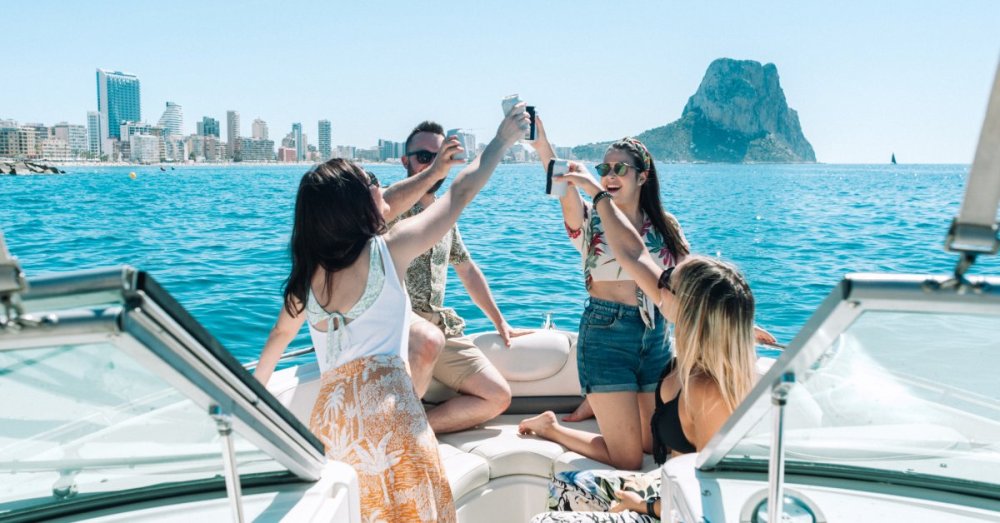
point(368, 416)
point(585, 496)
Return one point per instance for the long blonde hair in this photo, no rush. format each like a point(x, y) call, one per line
point(714, 329)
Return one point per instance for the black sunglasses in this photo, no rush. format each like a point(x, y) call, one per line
point(617, 168)
point(372, 179)
point(423, 156)
point(664, 281)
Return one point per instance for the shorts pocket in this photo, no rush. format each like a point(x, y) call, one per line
point(599, 319)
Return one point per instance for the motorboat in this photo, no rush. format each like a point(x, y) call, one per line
point(119, 406)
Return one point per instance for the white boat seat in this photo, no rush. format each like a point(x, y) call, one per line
point(466, 472)
point(532, 357)
point(507, 452)
point(297, 389)
point(542, 363)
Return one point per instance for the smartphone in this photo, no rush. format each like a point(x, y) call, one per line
point(509, 102)
point(556, 188)
point(460, 134)
point(530, 134)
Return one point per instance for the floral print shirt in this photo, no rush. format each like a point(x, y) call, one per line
point(599, 263)
point(427, 275)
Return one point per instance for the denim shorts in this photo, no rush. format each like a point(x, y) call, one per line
point(616, 352)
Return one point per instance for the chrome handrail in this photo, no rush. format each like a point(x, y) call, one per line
point(776, 465)
point(975, 230)
point(12, 285)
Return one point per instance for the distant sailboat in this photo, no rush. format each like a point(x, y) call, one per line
point(894, 158)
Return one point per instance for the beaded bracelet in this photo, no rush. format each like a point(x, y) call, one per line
point(600, 196)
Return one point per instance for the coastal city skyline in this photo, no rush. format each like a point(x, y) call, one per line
point(118, 132)
point(865, 80)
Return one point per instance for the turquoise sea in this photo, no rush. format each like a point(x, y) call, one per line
point(217, 236)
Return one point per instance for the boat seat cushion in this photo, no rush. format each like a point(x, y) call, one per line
point(507, 452)
point(536, 356)
point(466, 472)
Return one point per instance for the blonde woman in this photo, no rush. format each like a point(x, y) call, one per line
point(712, 307)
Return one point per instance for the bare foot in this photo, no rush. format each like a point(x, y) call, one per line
point(584, 411)
point(539, 425)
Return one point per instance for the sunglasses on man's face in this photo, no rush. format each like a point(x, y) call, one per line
point(616, 168)
point(372, 179)
point(664, 281)
point(423, 156)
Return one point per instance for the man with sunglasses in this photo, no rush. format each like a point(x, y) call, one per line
point(434, 330)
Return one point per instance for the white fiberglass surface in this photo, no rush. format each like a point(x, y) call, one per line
point(86, 419)
point(897, 393)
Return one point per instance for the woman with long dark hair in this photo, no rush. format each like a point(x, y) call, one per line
point(712, 308)
point(622, 344)
point(345, 279)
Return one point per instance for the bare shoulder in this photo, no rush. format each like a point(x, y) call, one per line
point(704, 395)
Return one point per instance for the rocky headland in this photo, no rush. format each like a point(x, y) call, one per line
point(25, 168)
point(738, 115)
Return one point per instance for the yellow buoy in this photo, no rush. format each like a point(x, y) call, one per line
point(132, 175)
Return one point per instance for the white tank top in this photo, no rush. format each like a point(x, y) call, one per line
point(377, 324)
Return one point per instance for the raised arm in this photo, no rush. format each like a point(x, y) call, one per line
point(572, 205)
point(283, 332)
point(415, 235)
point(402, 195)
point(629, 250)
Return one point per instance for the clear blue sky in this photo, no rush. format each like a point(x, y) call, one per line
point(867, 78)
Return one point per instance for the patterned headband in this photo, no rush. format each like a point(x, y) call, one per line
point(647, 160)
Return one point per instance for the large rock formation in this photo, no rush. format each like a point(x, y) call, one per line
point(739, 114)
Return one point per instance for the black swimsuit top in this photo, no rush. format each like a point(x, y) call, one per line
point(667, 432)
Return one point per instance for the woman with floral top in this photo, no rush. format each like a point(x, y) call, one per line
point(622, 345)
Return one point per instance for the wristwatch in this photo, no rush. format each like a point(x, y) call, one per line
point(651, 505)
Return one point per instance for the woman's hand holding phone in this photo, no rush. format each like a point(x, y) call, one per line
point(579, 176)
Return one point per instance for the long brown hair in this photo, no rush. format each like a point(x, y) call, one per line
point(649, 196)
point(335, 217)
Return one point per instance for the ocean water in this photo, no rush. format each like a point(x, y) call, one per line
point(217, 236)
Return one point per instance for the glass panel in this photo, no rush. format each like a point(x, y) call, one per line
point(898, 392)
point(80, 420)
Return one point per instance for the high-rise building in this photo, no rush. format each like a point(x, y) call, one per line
point(388, 149)
point(300, 146)
point(254, 150)
point(144, 148)
point(75, 137)
point(324, 140)
point(41, 133)
point(17, 143)
point(54, 149)
point(175, 148)
point(172, 120)
point(94, 133)
point(117, 101)
point(232, 134)
point(208, 127)
point(259, 129)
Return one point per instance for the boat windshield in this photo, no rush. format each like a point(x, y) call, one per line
point(895, 381)
point(108, 393)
